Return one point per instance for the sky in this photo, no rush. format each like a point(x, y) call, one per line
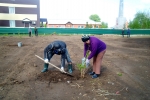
point(107, 10)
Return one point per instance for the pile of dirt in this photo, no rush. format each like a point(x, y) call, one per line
point(57, 76)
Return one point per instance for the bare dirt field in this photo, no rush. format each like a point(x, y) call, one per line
point(125, 71)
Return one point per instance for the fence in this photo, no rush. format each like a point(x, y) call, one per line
point(72, 31)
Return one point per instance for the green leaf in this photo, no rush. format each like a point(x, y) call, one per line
point(119, 74)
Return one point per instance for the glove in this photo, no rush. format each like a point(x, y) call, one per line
point(62, 69)
point(87, 63)
point(46, 60)
point(83, 61)
point(83, 58)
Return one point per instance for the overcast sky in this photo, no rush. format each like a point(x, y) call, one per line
point(82, 9)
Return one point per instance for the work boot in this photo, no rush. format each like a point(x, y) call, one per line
point(45, 68)
point(70, 68)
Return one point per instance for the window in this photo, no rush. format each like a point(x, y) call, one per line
point(78, 26)
point(11, 10)
point(12, 23)
point(33, 23)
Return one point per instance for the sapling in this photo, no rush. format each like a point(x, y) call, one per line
point(82, 67)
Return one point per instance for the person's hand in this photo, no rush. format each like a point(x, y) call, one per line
point(62, 69)
point(83, 61)
point(87, 62)
point(83, 58)
point(46, 60)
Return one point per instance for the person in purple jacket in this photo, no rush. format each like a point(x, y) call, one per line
point(97, 50)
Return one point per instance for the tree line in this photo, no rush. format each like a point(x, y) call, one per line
point(140, 21)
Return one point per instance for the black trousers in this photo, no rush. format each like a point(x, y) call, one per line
point(36, 33)
point(29, 34)
point(64, 57)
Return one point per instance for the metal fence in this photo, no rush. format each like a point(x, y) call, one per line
point(72, 31)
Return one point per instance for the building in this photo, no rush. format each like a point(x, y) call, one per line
point(19, 13)
point(72, 24)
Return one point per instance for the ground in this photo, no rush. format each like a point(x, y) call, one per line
point(125, 71)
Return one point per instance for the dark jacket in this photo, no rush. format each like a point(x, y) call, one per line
point(50, 49)
point(122, 32)
point(128, 31)
point(35, 30)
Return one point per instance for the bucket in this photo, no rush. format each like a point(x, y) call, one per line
point(19, 44)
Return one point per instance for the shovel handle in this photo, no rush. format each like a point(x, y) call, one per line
point(51, 64)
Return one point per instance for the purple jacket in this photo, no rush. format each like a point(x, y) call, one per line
point(96, 46)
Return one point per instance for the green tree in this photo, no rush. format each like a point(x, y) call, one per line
point(95, 18)
point(104, 25)
point(45, 25)
point(141, 21)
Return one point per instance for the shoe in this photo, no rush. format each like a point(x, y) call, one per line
point(91, 73)
point(95, 76)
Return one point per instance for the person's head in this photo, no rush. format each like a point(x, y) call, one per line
point(56, 45)
point(86, 39)
point(56, 48)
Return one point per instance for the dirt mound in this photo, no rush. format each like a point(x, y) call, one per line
point(57, 76)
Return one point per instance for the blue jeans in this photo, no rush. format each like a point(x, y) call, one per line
point(64, 57)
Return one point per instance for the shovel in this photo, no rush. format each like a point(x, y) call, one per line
point(55, 66)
